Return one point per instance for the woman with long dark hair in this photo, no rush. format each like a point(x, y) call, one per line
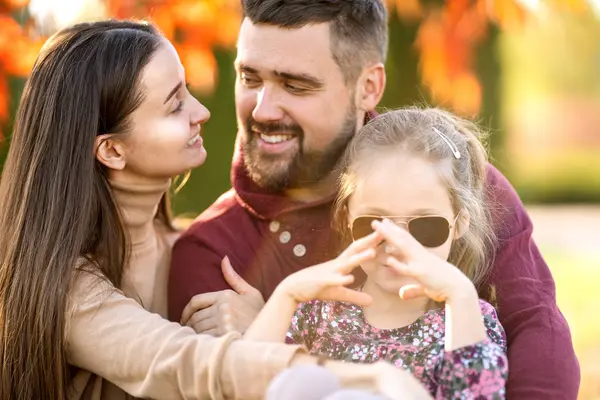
point(105, 121)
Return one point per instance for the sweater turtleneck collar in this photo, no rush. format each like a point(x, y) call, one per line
point(138, 204)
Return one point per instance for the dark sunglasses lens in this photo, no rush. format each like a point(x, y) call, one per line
point(361, 227)
point(430, 231)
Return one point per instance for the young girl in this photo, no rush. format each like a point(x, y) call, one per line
point(412, 190)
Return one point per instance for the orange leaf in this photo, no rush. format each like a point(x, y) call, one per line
point(3, 98)
point(164, 19)
point(15, 4)
point(196, 13)
point(199, 35)
point(459, 53)
point(122, 8)
point(409, 9)
point(9, 30)
point(509, 14)
point(21, 56)
point(200, 66)
point(228, 29)
point(466, 91)
point(209, 23)
point(455, 9)
point(430, 43)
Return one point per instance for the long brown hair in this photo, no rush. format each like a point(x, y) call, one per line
point(413, 131)
point(56, 205)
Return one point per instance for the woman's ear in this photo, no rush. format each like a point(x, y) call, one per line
point(110, 152)
point(462, 224)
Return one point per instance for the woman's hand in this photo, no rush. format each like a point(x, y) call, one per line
point(327, 281)
point(438, 279)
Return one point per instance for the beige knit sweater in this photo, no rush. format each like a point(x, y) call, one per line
point(120, 343)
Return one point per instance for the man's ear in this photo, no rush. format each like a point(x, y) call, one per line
point(370, 87)
point(110, 152)
point(462, 224)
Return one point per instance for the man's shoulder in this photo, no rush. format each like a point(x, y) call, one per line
point(507, 209)
point(500, 186)
point(223, 217)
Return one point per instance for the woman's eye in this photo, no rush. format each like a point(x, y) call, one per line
point(179, 107)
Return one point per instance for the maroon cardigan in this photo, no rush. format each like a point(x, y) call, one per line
point(267, 237)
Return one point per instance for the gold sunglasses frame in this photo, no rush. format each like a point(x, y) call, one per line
point(406, 220)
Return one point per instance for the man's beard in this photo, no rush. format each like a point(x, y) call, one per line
point(305, 167)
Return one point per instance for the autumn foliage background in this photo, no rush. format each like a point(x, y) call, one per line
point(527, 70)
point(447, 36)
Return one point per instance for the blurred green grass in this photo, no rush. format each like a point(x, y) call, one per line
point(577, 277)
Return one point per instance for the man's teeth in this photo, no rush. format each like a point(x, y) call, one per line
point(193, 140)
point(275, 138)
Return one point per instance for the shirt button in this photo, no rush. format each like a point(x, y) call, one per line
point(285, 237)
point(274, 226)
point(299, 250)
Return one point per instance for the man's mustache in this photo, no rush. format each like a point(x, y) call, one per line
point(273, 127)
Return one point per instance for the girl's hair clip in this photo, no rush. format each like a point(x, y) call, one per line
point(449, 142)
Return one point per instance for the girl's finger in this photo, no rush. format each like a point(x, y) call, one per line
point(345, 265)
point(346, 295)
point(403, 244)
point(334, 280)
point(410, 292)
point(370, 241)
point(403, 268)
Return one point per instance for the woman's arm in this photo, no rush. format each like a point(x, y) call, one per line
point(112, 336)
point(273, 321)
point(147, 356)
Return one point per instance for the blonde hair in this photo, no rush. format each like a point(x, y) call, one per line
point(420, 132)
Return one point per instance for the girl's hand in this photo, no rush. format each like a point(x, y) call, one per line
point(327, 281)
point(438, 279)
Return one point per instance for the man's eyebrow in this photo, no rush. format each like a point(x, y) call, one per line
point(300, 77)
point(293, 76)
point(246, 68)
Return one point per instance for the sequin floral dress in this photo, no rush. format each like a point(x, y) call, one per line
point(340, 331)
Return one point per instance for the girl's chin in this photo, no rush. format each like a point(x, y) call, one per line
point(394, 286)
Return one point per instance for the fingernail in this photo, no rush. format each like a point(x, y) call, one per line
point(389, 249)
point(401, 293)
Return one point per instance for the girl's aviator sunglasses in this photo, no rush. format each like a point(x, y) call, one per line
point(429, 230)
